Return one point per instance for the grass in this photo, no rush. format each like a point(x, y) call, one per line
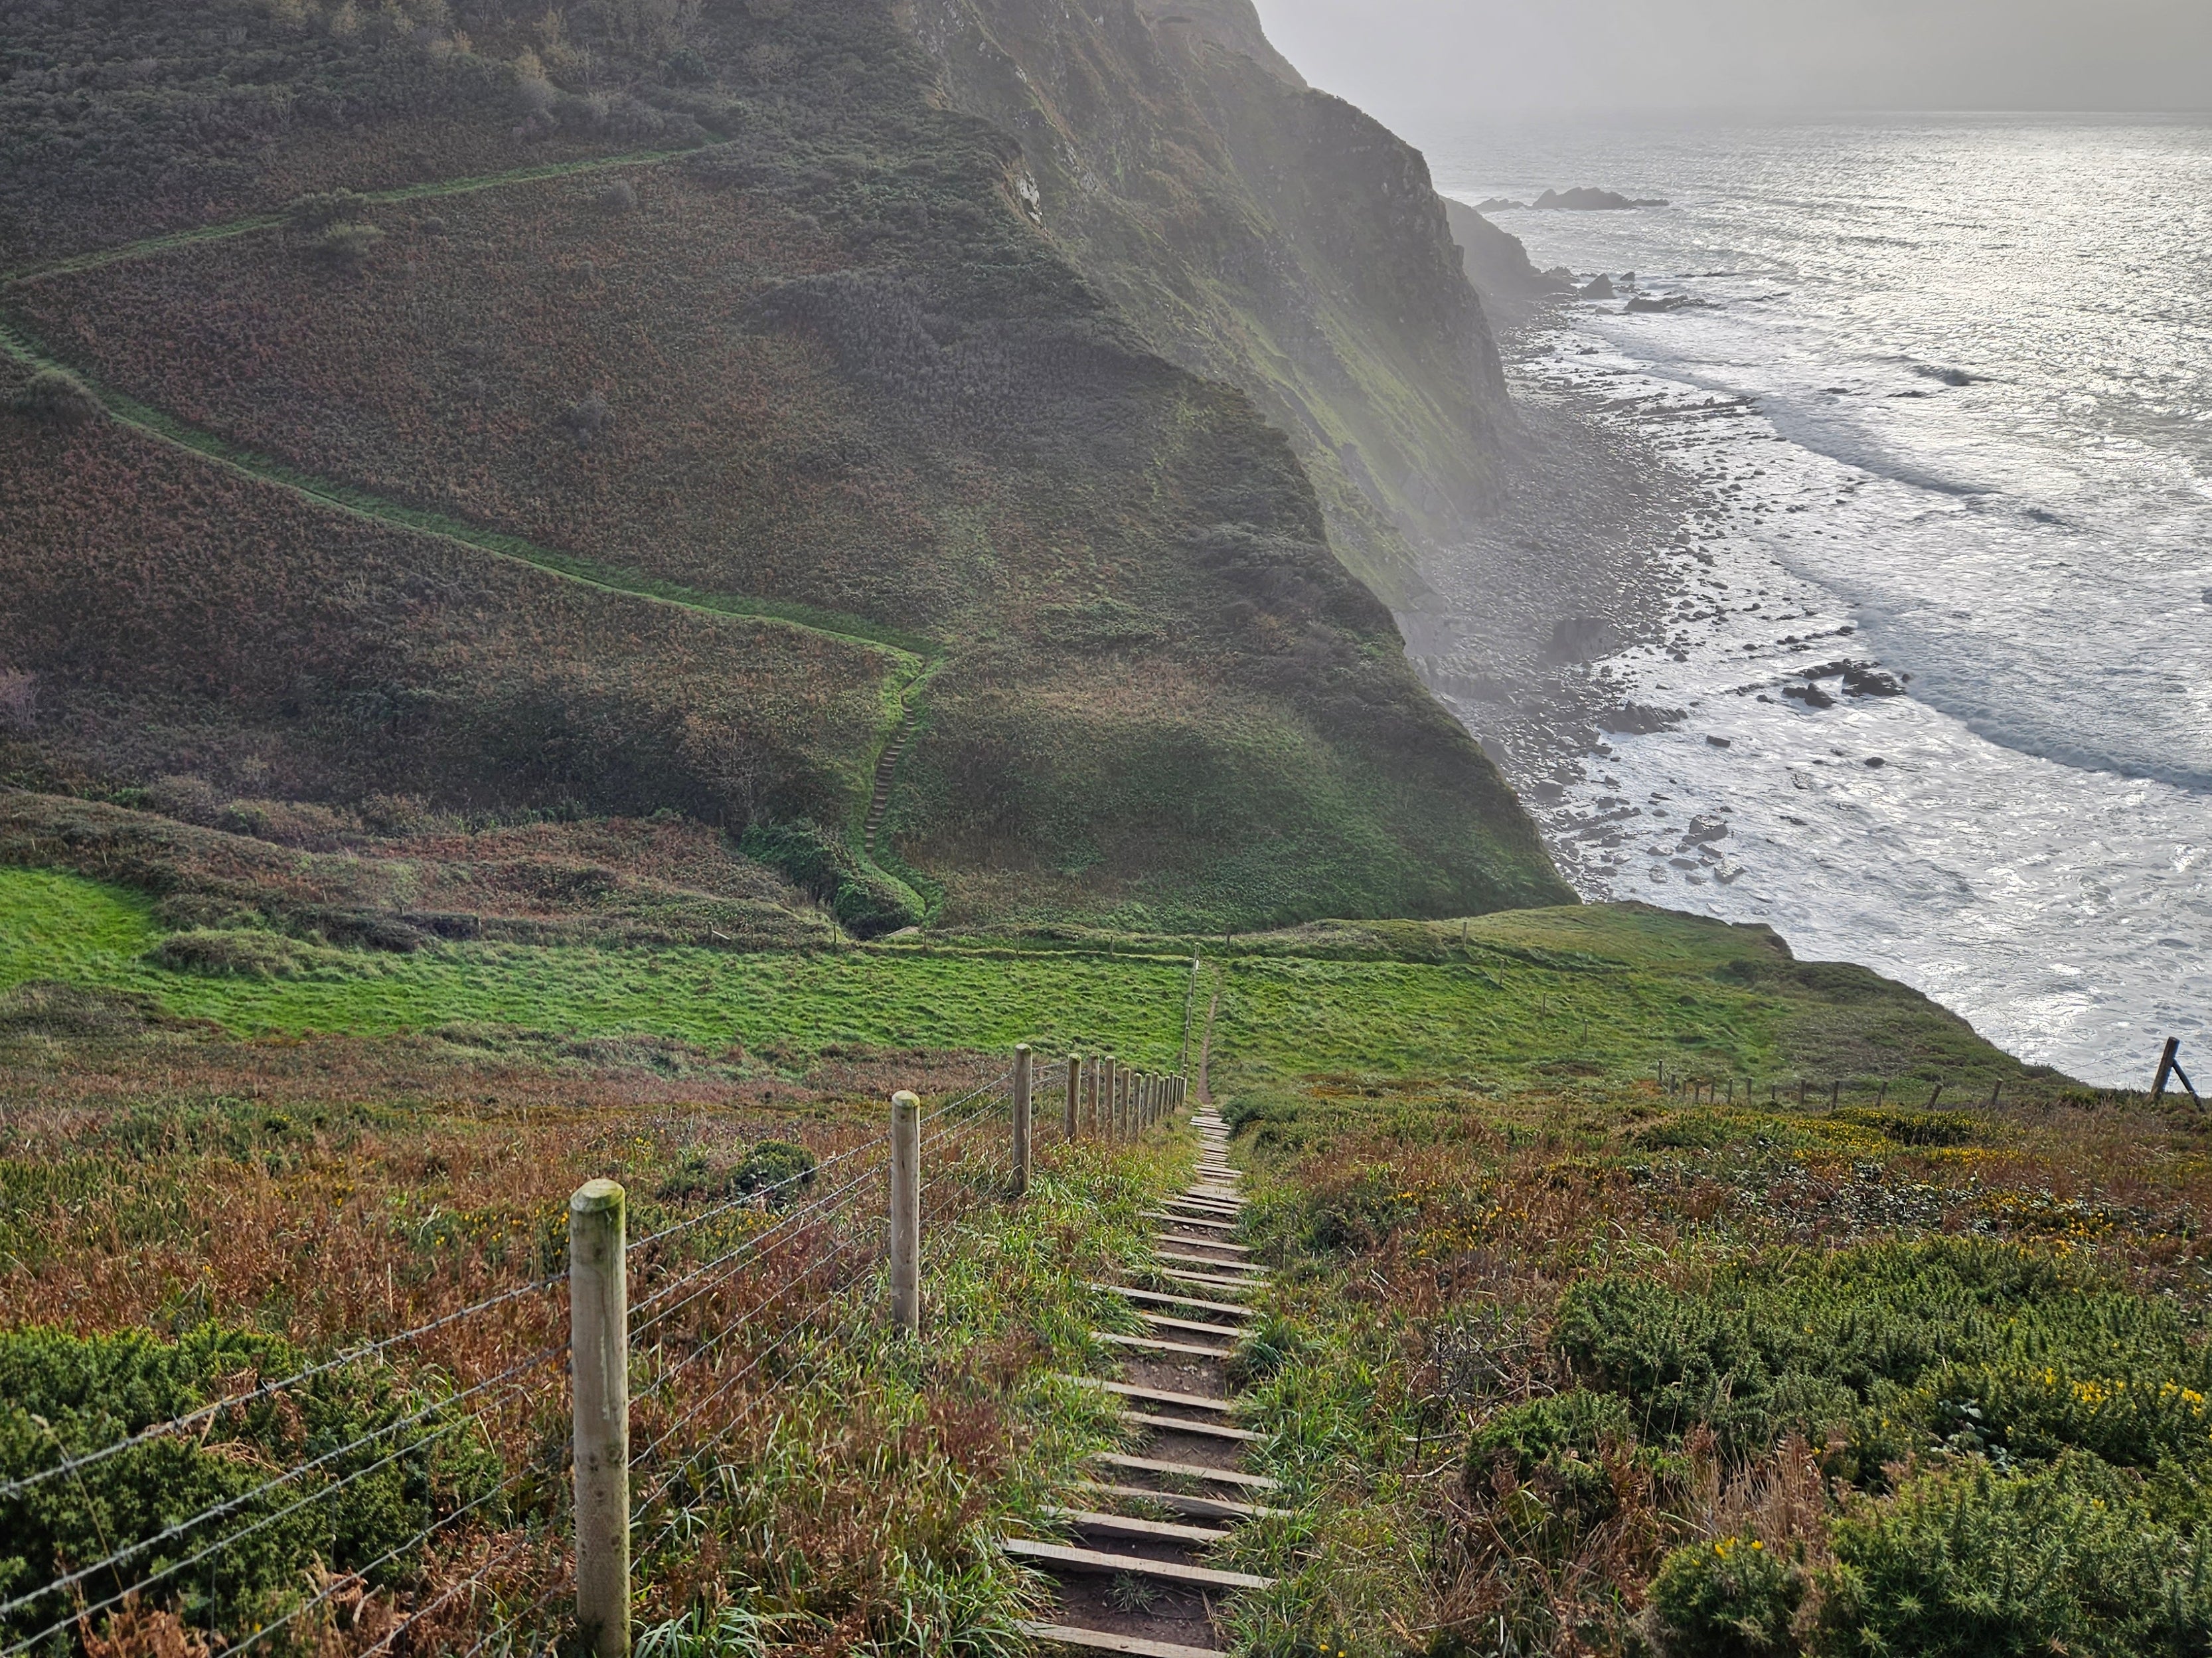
point(1588, 993)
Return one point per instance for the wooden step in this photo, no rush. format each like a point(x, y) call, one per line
point(1135, 1565)
point(1207, 1260)
point(1205, 1508)
point(1156, 1297)
point(1151, 1395)
point(1191, 1469)
point(1203, 1243)
point(1236, 1284)
point(1185, 1220)
point(1187, 1426)
point(1100, 1640)
point(1123, 1525)
point(1147, 1345)
point(1188, 1327)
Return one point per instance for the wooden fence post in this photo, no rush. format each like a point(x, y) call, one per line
point(598, 1351)
point(905, 1212)
point(1074, 1096)
point(2167, 1058)
point(1102, 1107)
point(1022, 1079)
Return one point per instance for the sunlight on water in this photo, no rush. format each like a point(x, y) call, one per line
point(1981, 355)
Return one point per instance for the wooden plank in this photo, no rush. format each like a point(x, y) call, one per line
point(1100, 1640)
point(1206, 1507)
point(1188, 1327)
point(1238, 1284)
point(1185, 1220)
point(1208, 1243)
point(1155, 1296)
point(1207, 1260)
point(1126, 1525)
point(1147, 1345)
point(1188, 1470)
point(1156, 1395)
point(1187, 1426)
point(1134, 1565)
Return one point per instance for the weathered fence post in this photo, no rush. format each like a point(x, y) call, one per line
point(1102, 1117)
point(906, 1211)
point(598, 1351)
point(1021, 1118)
point(1074, 1096)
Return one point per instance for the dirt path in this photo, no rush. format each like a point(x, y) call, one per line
point(1131, 1581)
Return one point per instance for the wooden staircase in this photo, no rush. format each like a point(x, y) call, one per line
point(886, 771)
point(1130, 1583)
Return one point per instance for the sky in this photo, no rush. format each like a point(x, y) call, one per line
point(1411, 59)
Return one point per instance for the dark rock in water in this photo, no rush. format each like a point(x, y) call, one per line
point(1579, 638)
point(1634, 719)
point(1599, 286)
point(1811, 695)
point(1720, 742)
point(1497, 205)
point(1864, 679)
point(2208, 595)
point(1948, 376)
point(1560, 273)
point(1876, 760)
point(1670, 303)
point(1704, 830)
point(1591, 201)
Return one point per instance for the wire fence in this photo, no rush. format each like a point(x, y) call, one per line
point(728, 1302)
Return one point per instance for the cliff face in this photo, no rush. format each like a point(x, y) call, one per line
point(697, 417)
point(1255, 231)
point(1498, 265)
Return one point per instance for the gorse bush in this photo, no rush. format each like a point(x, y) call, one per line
point(778, 1169)
point(55, 397)
point(1970, 1563)
point(1897, 1348)
point(63, 1396)
point(1557, 1448)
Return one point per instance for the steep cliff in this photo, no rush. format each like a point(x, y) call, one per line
point(678, 407)
point(1255, 231)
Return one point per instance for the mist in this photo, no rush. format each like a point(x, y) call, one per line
point(1415, 59)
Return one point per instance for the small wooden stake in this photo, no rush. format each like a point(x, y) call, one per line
point(1074, 1096)
point(599, 1355)
point(1101, 1115)
point(1021, 1118)
point(905, 1212)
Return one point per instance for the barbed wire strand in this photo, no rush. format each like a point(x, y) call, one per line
point(752, 1244)
point(723, 1334)
point(690, 1220)
point(15, 1488)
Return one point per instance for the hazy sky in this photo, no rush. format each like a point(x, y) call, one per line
point(1414, 58)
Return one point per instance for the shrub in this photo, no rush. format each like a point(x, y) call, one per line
point(1981, 1345)
point(225, 954)
point(345, 247)
point(777, 1168)
point(1556, 1447)
point(620, 196)
point(1731, 1598)
point(1974, 1564)
point(1909, 1127)
point(589, 421)
point(55, 397)
point(818, 861)
point(326, 208)
point(63, 1395)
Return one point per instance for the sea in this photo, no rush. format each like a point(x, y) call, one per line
point(1944, 384)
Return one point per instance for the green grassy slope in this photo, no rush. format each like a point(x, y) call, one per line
point(819, 367)
point(1602, 992)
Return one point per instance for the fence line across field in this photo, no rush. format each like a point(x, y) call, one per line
point(954, 1142)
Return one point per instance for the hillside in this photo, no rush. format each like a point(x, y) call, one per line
point(514, 413)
